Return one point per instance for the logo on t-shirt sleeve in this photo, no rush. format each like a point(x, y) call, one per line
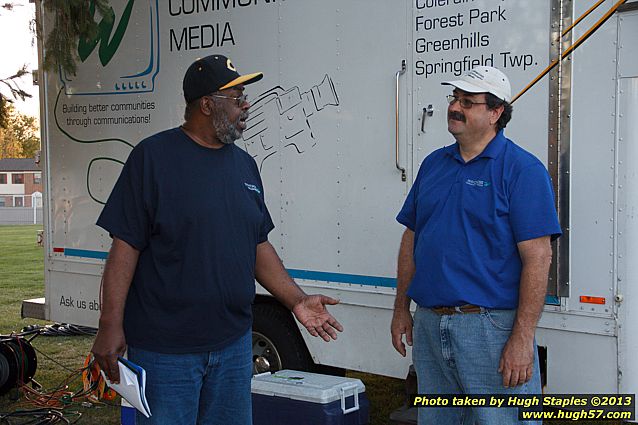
point(252, 187)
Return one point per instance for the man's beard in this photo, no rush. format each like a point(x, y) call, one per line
point(227, 131)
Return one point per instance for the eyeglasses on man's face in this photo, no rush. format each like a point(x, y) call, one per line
point(463, 101)
point(239, 99)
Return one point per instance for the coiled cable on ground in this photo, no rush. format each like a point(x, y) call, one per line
point(43, 416)
point(58, 329)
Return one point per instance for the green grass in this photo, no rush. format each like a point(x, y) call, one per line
point(385, 395)
point(22, 277)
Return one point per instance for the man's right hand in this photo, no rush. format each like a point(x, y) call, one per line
point(108, 345)
point(401, 325)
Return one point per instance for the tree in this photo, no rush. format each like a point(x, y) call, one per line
point(15, 91)
point(73, 20)
point(20, 137)
point(10, 82)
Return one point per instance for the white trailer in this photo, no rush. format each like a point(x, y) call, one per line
point(350, 104)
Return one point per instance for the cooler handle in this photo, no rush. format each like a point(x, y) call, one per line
point(355, 393)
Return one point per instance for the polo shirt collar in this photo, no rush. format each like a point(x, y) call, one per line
point(492, 150)
point(495, 147)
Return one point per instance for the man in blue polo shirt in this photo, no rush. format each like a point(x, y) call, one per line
point(475, 257)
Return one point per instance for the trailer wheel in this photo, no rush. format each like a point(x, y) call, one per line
point(277, 343)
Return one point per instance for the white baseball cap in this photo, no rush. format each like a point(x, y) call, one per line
point(484, 79)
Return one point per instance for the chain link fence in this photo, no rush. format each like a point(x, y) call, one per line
point(20, 215)
point(21, 209)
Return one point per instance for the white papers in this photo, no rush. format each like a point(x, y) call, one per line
point(132, 385)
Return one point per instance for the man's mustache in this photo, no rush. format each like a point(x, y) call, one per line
point(457, 116)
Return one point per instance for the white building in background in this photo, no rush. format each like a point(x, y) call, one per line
point(19, 179)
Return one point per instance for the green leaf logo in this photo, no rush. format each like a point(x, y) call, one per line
point(108, 44)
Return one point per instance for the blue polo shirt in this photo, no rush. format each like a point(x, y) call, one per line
point(467, 218)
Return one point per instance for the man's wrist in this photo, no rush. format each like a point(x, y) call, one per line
point(299, 297)
point(110, 322)
point(402, 304)
point(525, 333)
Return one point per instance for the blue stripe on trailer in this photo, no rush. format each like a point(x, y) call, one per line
point(344, 278)
point(71, 252)
point(299, 274)
point(356, 279)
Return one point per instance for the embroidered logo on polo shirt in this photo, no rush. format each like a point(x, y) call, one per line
point(252, 187)
point(478, 183)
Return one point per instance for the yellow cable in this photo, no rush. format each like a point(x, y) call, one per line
point(583, 16)
point(571, 48)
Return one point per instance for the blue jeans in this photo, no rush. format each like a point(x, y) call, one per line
point(210, 388)
point(460, 354)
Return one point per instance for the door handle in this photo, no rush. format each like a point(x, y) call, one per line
point(429, 111)
point(396, 110)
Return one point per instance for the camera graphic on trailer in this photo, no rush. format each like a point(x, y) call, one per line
point(294, 111)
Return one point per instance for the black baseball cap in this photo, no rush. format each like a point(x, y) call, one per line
point(211, 74)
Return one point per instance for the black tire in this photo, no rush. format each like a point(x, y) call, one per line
point(277, 339)
point(26, 359)
point(8, 368)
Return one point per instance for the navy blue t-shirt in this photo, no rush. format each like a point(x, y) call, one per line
point(196, 215)
point(468, 218)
